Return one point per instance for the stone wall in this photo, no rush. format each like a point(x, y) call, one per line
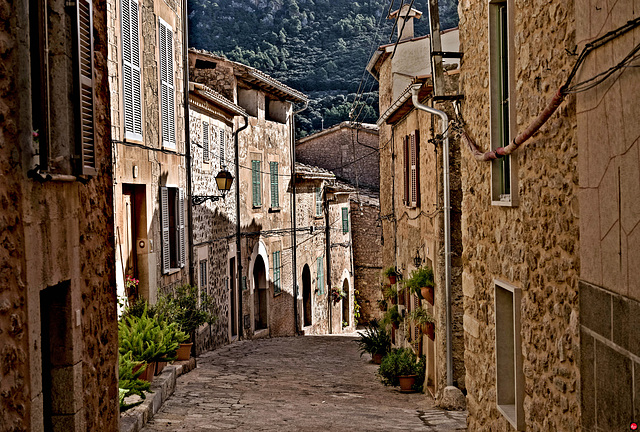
point(56, 236)
point(532, 246)
point(335, 149)
point(608, 134)
point(366, 233)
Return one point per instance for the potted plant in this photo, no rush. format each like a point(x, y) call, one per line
point(391, 273)
point(423, 319)
point(390, 292)
point(382, 304)
point(392, 317)
point(142, 338)
point(421, 283)
point(181, 306)
point(129, 382)
point(337, 294)
point(375, 340)
point(401, 368)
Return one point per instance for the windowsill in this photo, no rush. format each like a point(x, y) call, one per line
point(505, 203)
point(134, 140)
point(172, 271)
point(275, 209)
point(277, 294)
point(256, 207)
point(316, 217)
point(509, 412)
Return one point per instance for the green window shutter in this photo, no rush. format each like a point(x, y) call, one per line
point(255, 180)
point(167, 96)
point(276, 272)
point(318, 201)
point(345, 220)
point(275, 198)
point(320, 278)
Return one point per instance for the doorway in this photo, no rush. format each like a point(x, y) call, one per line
point(233, 307)
point(306, 295)
point(131, 232)
point(346, 318)
point(260, 294)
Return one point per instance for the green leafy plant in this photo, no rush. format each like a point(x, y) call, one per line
point(389, 291)
point(382, 304)
point(389, 272)
point(374, 340)
point(422, 277)
point(401, 362)
point(356, 306)
point(184, 307)
point(128, 383)
point(391, 317)
point(421, 316)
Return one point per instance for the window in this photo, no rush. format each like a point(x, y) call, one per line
point(132, 77)
point(275, 198)
point(173, 237)
point(502, 170)
point(318, 201)
point(411, 144)
point(255, 182)
point(205, 142)
point(509, 375)
point(167, 96)
point(345, 220)
point(221, 136)
point(320, 276)
point(276, 273)
point(203, 274)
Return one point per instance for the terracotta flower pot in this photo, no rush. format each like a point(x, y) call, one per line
point(147, 374)
point(184, 352)
point(407, 382)
point(427, 294)
point(392, 279)
point(430, 330)
point(160, 365)
point(376, 358)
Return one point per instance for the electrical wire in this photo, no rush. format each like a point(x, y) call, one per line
point(145, 147)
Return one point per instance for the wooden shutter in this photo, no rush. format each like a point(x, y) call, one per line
point(132, 77)
point(320, 277)
point(413, 175)
point(205, 141)
point(86, 148)
point(275, 198)
point(221, 148)
point(345, 220)
point(276, 272)
point(181, 237)
point(164, 209)
point(203, 274)
point(405, 147)
point(417, 146)
point(167, 96)
point(255, 179)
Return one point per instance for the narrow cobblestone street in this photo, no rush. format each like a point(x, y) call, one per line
point(312, 383)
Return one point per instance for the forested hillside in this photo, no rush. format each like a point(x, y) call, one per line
point(320, 47)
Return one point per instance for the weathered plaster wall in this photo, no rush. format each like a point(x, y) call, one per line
point(608, 139)
point(533, 246)
point(336, 148)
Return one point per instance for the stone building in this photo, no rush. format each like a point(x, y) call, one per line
point(347, 149)
point(324, 252)
point(412, 202)
point(146, 80)
point(214, 212)
point(266, 306)
point(351, 150)
point(58, 332)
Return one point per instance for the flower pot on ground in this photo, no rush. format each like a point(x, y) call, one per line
point(402, 362)
point(184, 351)
point(407, 382)
point(377, 358)
point(160, 365)
point(375, 340)
point(187, 308)
point(129, 382)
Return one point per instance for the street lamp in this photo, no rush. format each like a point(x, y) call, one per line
point(224, 180)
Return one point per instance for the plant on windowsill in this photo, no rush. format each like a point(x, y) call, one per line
point(401, 368)
point(375, 340)
point(392, 317)
point(391, 273)
point(424, 320)
point(421, 283)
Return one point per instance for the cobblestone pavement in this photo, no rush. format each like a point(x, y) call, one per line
point(312, 383)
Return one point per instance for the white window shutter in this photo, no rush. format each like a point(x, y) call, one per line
point(164, 209)
point(167, 96)
point(221, 147)
point(182, 240)
point(132, 76)
point(205, 141)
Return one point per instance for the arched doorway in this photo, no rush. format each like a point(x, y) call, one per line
point(306, 295)
point(346, 316)
point(260, 294)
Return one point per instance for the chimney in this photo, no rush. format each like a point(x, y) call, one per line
point(406, 20)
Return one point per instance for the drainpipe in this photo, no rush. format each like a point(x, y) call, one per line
point(447, 219)
point(238, 251)
point(187, 138)
point(327, 240)
point(294, 240)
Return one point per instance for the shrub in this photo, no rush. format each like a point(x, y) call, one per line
point(400, 362)
point(181, 306)
point(128, 383)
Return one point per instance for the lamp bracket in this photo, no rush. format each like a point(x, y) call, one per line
point(201, 199)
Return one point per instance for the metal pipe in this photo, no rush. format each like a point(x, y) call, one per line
point(187, 138)
point(327, 241)
point(415, 89)
point(238, 251)
point(294, 239)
